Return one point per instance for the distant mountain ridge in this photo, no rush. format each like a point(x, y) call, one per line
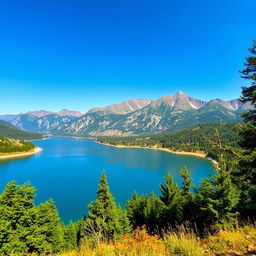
point(133, 117)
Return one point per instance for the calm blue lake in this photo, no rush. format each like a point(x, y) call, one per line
point(68, 170)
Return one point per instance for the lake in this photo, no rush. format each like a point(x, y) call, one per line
point(68, 169)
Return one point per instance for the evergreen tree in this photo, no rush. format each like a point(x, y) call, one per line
point(71, 235)
point(24, 227)
point(105, 219)
point(216, 200)
point(16, 214)
point(186, 184)
point(249, 93)
point(247, 163)
point(144, 210)
point(172, 201)
point(188, 203)
point(49, 228)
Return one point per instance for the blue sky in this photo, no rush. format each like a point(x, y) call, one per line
point(81, 54)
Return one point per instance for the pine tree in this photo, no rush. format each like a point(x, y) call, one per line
point(71, 235)
point(49, 228)
point(17, 212)
point(247, 163)
point(216, 200)
point(187, 182)
point(172, 201)
point(188, 203)
point(24, 227)
point(144, 210)
point(249, 93)
point(105, 219)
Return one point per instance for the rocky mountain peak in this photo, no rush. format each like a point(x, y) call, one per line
point(180, 93)
point(66, 112)
point(125, 107)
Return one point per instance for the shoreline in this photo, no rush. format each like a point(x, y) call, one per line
point(214, 162)
point(21, 154)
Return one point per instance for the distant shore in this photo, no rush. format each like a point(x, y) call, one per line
point(215, 163)
point(21, 154)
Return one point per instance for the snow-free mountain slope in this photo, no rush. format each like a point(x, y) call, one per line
point(133, 117)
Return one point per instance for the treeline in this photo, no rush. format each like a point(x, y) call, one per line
point(8, 131)
point(202, 138)
point(10, 145)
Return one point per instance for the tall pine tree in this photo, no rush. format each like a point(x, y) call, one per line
point(172, 200)
point(105, 219)
point(216, 200)
point(248, 139)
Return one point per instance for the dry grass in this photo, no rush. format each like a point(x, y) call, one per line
point(184, 243)
point(231, 242)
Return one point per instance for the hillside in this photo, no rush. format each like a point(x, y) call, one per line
point(9, 131)
point(11, 145)
point(201, 138)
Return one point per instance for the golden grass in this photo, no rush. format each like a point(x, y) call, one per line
point(184, 243)
point(232, 242)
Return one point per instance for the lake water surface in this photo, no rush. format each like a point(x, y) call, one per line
point(68, 170)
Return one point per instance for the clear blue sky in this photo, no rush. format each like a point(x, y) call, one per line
point(80, 54)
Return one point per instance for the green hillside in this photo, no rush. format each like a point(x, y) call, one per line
point(11, 145)
point(8, 131)
point(204, 137)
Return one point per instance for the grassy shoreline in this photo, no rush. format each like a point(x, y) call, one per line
point(31, 152)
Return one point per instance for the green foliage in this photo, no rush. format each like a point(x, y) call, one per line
point(26, 228)
point(217, 199)
point(200, 138)
point(171, 197)
point(71, 235)
point(105, 218)
point(144, 210)
point(249, 93)
point(187, 182)
point(246, 179)
point(10, 145)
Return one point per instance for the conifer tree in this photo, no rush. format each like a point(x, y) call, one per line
point(172, 201)
point(71, 236)
point(49, 228)
point(24, 227)
point(105, 219)
point(17, 212)
point(249, 93)
point(188, 203)
point(186, 184)
point(144, 210)
point(247, 163)
point(216, 200)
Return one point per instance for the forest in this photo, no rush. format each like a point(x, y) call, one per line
point(202, 138)
point(215, 218)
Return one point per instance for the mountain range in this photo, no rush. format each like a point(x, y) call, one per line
point(132, 117)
